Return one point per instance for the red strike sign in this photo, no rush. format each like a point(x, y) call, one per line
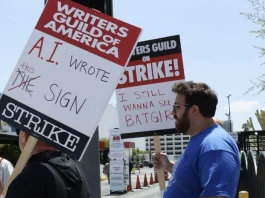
point(144, 94)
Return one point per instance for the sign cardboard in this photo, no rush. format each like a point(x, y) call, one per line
point(66, 75)
point(117, 180)
point(116, 145)
point(144, 93)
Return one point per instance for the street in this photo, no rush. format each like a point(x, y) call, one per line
point(146, 192)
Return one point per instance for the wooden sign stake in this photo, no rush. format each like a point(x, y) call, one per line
point(160, 172)
point(23, 159)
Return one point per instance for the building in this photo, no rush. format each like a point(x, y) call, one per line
point(172, 145)
point(227, 126)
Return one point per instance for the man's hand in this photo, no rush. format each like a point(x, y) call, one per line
point(161, 161)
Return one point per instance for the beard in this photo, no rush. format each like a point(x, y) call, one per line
point(183, 123)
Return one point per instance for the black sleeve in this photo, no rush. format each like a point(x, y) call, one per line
point(35, 181)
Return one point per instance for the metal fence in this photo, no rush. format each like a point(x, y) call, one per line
point(252, 177)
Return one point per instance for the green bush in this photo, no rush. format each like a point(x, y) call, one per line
point(11, 152)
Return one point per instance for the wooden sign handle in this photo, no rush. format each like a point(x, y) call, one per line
point(23, 159)
point(160, 172)
point(243, 194)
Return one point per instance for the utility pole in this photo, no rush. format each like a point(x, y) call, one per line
point(229, 114)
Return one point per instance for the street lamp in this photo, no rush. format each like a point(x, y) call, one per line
point(229, 113)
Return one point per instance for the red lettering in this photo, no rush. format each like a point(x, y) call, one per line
point(148, 94)
point(168, 115)
point(164, 103)
point(138, 120)
point(36, 46)
point(53, 52)
point(128, 118)
point(138, 106)
point(148, 117)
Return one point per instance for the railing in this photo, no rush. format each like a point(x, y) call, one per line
point(252, 177)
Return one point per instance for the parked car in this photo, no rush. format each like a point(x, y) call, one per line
point(147, 163)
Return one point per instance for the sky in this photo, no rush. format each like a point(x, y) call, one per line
point(217, 46)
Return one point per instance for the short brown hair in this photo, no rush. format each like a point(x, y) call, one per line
point(199, 94)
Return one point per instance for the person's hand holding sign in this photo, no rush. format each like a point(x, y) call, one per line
point(161, 161)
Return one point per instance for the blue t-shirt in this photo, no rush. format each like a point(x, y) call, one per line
point(209, 166)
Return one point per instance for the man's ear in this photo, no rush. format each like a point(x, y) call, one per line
point(195, 110)
point(24, 137)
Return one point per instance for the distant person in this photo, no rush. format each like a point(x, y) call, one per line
point(219, 122)
point(6, 169)
point(106, 171)
point(210, 165)
point(49, 173)
point(130, 171)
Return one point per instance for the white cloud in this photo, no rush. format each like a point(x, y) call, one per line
point(242, 106)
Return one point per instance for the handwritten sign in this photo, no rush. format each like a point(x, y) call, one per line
point(144, 94)
point(66, 75)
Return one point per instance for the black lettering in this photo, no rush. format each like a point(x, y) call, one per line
point(84, 64)
point(75, 102)
point(104, 76)
point(75, 63)
point(65, 99)
point(52, 92)
point(93, 70)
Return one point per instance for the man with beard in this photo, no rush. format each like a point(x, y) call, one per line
point(210, 165)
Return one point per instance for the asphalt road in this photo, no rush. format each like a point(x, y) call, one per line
point(146, 192)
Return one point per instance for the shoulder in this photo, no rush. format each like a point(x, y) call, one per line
point(6, 163)
point(32, 173)
point(38, 177)
point(219, 140)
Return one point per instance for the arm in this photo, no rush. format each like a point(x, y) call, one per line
point(219, 174)
point(7, 171)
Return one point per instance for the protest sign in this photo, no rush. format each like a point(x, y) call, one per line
point(66, 75)
point(144, 93)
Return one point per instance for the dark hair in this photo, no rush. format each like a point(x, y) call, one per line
point(199, 94)
point(17, 131)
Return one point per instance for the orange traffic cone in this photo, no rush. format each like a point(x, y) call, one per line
point(138, 185)
point(145, 181)
point(129, 188)
point(156, 178)
point(151, 179)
